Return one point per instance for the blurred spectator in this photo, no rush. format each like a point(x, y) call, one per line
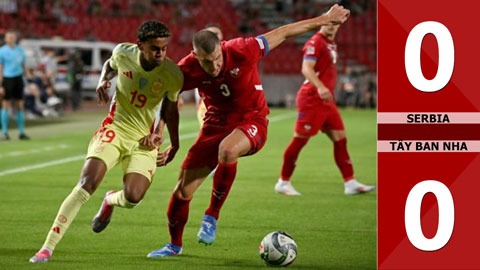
point(45, 14)
point(75, 73)
point(59, 13)
point(94, 8)
point(90, 36)
point(40, 5)
point(371, 92)
point(302, 9)
point(2, 37)
point(156, 3)
point(356, 7)
point(187, 33)
point(348, 90)
point(8, 6)
point(31, 110)
point(49, 63)
point(41, 98)
point(244, 27)
point(140, 8)
point(116, 9)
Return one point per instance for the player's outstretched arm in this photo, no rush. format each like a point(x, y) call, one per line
point(336, 15)
point(169, 114)
point(108, 73)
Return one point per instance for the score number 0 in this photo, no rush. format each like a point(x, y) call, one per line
point(446, 210)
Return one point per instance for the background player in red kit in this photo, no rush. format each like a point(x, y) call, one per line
point(226, 74)
point(317, 111)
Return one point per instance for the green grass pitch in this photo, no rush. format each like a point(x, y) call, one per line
point(333, 231)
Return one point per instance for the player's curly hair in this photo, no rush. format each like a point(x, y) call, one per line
point(152, 29)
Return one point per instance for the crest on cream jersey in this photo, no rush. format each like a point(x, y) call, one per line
point(142, 82)
point(157, 87)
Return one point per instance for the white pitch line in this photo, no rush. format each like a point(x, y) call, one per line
point(33, 151)
point(80, 157)
point(282, 116)
point(42, 165)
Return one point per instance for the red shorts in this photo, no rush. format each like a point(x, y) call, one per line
point(315, 115)
point(204, 152)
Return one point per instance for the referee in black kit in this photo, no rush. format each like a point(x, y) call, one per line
point(12, 67)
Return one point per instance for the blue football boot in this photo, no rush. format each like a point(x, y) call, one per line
point(169, 250)
point(206, 234)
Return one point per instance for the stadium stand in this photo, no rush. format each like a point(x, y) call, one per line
point(116, 21)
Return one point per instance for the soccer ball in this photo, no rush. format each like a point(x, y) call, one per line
point(278, 249)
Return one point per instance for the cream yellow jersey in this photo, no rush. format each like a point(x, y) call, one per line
point(138, 93)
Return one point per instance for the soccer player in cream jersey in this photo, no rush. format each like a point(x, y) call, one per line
point(145, 79)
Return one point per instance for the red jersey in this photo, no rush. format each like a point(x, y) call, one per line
point(236, 93)
point(324, 52)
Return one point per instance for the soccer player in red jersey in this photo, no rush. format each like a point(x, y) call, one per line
point(317, 111)
point(226, 73)
point(201, 108)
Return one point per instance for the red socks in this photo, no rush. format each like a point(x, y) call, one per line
point(177, 214)
point(342, 159)
point(339, 151)
point(222, 182)
point(290, 157)
point(178, 209)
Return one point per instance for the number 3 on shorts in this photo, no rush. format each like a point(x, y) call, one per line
point(252, 131)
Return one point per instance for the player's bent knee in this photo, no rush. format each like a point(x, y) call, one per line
point(340, 137)
point(227, 154)
point(182, 193)
point(89, 183)
point(336, 135)
point(92, 174)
